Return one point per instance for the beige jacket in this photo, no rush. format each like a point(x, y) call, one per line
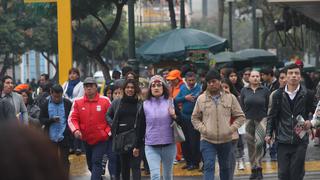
point(213, 121)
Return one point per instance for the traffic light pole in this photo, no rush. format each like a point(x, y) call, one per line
point(131, 28)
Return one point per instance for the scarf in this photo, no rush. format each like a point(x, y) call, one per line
point(71, 85)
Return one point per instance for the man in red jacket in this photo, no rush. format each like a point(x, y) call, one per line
point(87, 122)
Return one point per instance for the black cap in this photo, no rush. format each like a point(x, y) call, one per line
point(212, 74)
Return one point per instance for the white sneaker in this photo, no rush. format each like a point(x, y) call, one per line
point(241, 165)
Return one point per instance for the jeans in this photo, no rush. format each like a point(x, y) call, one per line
point(233, 158)
point(114, 160)
point(94, 154)
point(209, 152)
point(157, 154)
point(291, 159)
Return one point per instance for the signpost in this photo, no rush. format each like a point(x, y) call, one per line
point(64, 36)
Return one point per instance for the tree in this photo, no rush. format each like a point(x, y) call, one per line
point(13, 23)
point(220, 17)
point(83, 9)
point(172, 14)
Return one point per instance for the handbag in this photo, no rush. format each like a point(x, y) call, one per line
point(177, 132)
point(124, 142)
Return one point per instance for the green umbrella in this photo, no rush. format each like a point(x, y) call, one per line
point(225, 57)
point(257, 56)
point(175, 44)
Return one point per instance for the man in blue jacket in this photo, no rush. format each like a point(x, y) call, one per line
point(53, 115)
point(187, 96)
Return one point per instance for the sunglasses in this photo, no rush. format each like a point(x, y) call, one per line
point(156, 85)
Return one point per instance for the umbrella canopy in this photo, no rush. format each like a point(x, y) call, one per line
point(257, 55)
point(227, 56)
point(174, 44)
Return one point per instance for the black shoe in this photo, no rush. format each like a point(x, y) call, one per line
point(185, 166)
point(147, 172)
point(192, 167)
point(78, 152)
point(254, 174)
point(259, 173)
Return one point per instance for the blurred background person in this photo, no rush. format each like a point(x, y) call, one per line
point(32, 108)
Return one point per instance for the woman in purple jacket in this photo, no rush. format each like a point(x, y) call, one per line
point(159, 140)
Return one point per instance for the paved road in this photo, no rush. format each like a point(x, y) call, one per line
point(308, 176)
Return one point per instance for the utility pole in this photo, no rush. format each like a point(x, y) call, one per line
point(230, 24)
point(182, 15)
point(131, 28)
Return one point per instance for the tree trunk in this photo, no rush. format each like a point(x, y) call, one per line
point(104, 67)
point(172, 14)
point(6, 65)
point(220, 17)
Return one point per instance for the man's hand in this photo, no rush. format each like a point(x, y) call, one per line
point(268, 139)
point(307, 125)
point(135, 152)
point(190, 98)
point(78, 134)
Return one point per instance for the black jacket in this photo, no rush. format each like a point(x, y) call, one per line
point(112, 118)
point(282, 119)
point(46, 121)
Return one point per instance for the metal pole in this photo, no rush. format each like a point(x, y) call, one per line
point(204, 8)
point(182, 15)
point(230, 26)
point(131, 29)
point(254, 24)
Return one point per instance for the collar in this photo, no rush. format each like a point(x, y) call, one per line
point(195, 85)
point(50, 100)
point(294, 92)
point(95, 99)
point(6, 95)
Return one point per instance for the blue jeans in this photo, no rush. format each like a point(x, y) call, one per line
point(157, 154)
point(114, 160)
point(209, 152)
point(94, 154)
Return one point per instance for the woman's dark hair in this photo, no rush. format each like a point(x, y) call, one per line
point(131, 72)
point(165, 93)
point(239, 84)
point(135, 85)
point(75, 70)
point(231, 86)
point(30, 99)
point(28, 154)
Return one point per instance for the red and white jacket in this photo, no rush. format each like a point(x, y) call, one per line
point(89, 117)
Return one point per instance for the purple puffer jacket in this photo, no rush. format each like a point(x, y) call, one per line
point(158, 121)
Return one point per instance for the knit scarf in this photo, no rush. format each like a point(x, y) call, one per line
point(71, 85)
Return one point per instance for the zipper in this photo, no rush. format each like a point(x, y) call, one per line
point(292, 128)
point(217, 121)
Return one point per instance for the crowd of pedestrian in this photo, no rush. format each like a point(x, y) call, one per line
point(132, 122)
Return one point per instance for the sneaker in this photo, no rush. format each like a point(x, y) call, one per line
point(175, 162)
point(241, 165)
point(78, 152)
point(192, 167)
point(259, 173)
point(254, 174)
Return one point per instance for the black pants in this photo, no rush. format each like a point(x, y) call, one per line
point(191, 147)
point(291, 159)
point(128, 161)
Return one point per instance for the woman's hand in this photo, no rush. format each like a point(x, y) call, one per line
point(135, 152)
point(172, 112)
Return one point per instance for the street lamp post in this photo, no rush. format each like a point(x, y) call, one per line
point(131, 29)
point(259, 15)
point(230, 24)
point(254, 24)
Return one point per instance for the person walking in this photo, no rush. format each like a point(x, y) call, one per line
point(254, 100)
point(72, 89)
point(188, 95)
point(211, 117)
point(124, 115)
point(159, 139)
point(15, 99)
point(7, 111)
point(288, 105)
point(87, 122)
point(32, 108)
point(53, 115)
